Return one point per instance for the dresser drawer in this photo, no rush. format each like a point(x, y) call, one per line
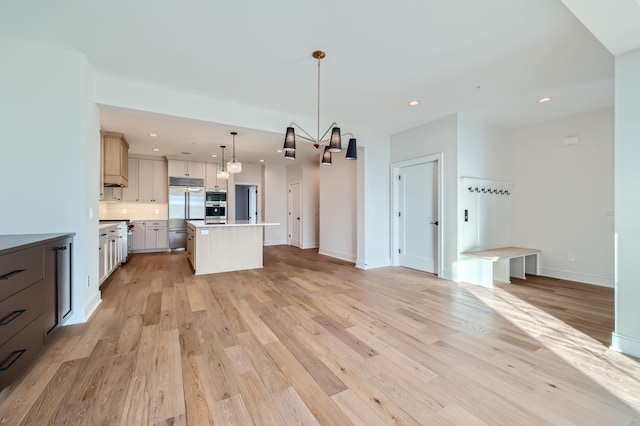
point(20, 269)
point(17, 353)
point(20, 309)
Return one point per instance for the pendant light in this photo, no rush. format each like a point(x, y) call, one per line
point(333, 143)
point(326, 156)
point(290, 155)
point(222, 173)
point(234, 166)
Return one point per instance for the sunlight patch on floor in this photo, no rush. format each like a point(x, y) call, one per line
point(612, 370)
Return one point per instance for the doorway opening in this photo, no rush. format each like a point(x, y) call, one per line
point(294, 225)
point(246, 203)
point(417, 214)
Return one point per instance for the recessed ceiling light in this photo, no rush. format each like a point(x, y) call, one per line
point(279, 151)
point(156, 149)
point(544, 100)
point(214, 155)
point(262, 161)
point(413, 103)
point(153, 135)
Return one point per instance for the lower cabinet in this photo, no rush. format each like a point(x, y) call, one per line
point(191, 246)
point(35, 297)
point(150, 236)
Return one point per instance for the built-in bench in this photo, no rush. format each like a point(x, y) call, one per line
point(500, 264)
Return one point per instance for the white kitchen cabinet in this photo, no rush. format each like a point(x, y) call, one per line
point(150, 235)
point(211, 180)
point(138, 236)
point(130, 193)
point(156, 236)
point(152, 181)
point(190, 169)
point(103, 249)
point(112, 193)
point(191, 247)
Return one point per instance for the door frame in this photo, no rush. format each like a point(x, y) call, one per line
point(395, 206)
point(290, 217)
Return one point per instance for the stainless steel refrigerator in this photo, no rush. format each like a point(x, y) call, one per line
point(186, 202)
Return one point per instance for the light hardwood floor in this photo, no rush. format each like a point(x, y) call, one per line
point(311, 340)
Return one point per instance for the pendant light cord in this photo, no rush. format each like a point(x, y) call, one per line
point(318, 139)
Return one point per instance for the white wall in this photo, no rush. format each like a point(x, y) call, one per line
point(50, 155)
point(562, 195)
point(437, 137)
point(338, 208)
point(275, 204)
point(310, 204)
point(626, 337)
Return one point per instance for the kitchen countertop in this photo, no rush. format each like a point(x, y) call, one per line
point(11, 243)
point(108, 224)
point(202, 224)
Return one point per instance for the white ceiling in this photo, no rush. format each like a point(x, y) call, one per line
point(490, 58)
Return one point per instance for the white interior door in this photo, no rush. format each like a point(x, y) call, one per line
point(253, 204)
point(295, 211)
point(417, 216)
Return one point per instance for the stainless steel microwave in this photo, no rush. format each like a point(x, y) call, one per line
point(218, 196)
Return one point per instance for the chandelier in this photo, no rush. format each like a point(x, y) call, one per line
point(332, 144)
point(234, 166)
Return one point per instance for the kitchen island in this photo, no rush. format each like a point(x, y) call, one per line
point(225, 247)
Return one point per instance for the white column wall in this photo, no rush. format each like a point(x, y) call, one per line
point(50, 155)
point(440, 136)
point(275, 204)
point(338, 208)
point(626, 337)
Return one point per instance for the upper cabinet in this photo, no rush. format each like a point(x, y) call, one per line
point(152, 181)
point(190, 169)
point(211, 181)
point(130, 193)
point(147, 181)
point(115, 154)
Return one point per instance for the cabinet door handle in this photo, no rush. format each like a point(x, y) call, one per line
point(13, 315)
point(13, 357)
point(10, 274)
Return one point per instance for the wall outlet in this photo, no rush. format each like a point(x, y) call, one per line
point(571, 257)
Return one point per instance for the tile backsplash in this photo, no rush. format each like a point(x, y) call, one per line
point(133, 211)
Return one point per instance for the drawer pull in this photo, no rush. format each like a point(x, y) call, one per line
point(13, 315)
point(13, 357)
point(10, 274)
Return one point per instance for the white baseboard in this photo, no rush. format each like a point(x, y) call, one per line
point(309, 246)
point(337, 255)
point(275, 243)
point(626, 345)
point(576, 276)
point(81, 316)
point(372, 264)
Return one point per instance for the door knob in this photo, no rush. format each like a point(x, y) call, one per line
point(435, 223)
point(298, 218)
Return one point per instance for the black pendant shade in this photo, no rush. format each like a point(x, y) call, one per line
point(352, 150)
point(290, 155)
point(335, 143)
point(326, 157)
point(290, 140)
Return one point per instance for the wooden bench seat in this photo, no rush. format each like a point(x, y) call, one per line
point(507, 262)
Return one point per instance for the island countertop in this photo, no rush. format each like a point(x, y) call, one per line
point(202, 224)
